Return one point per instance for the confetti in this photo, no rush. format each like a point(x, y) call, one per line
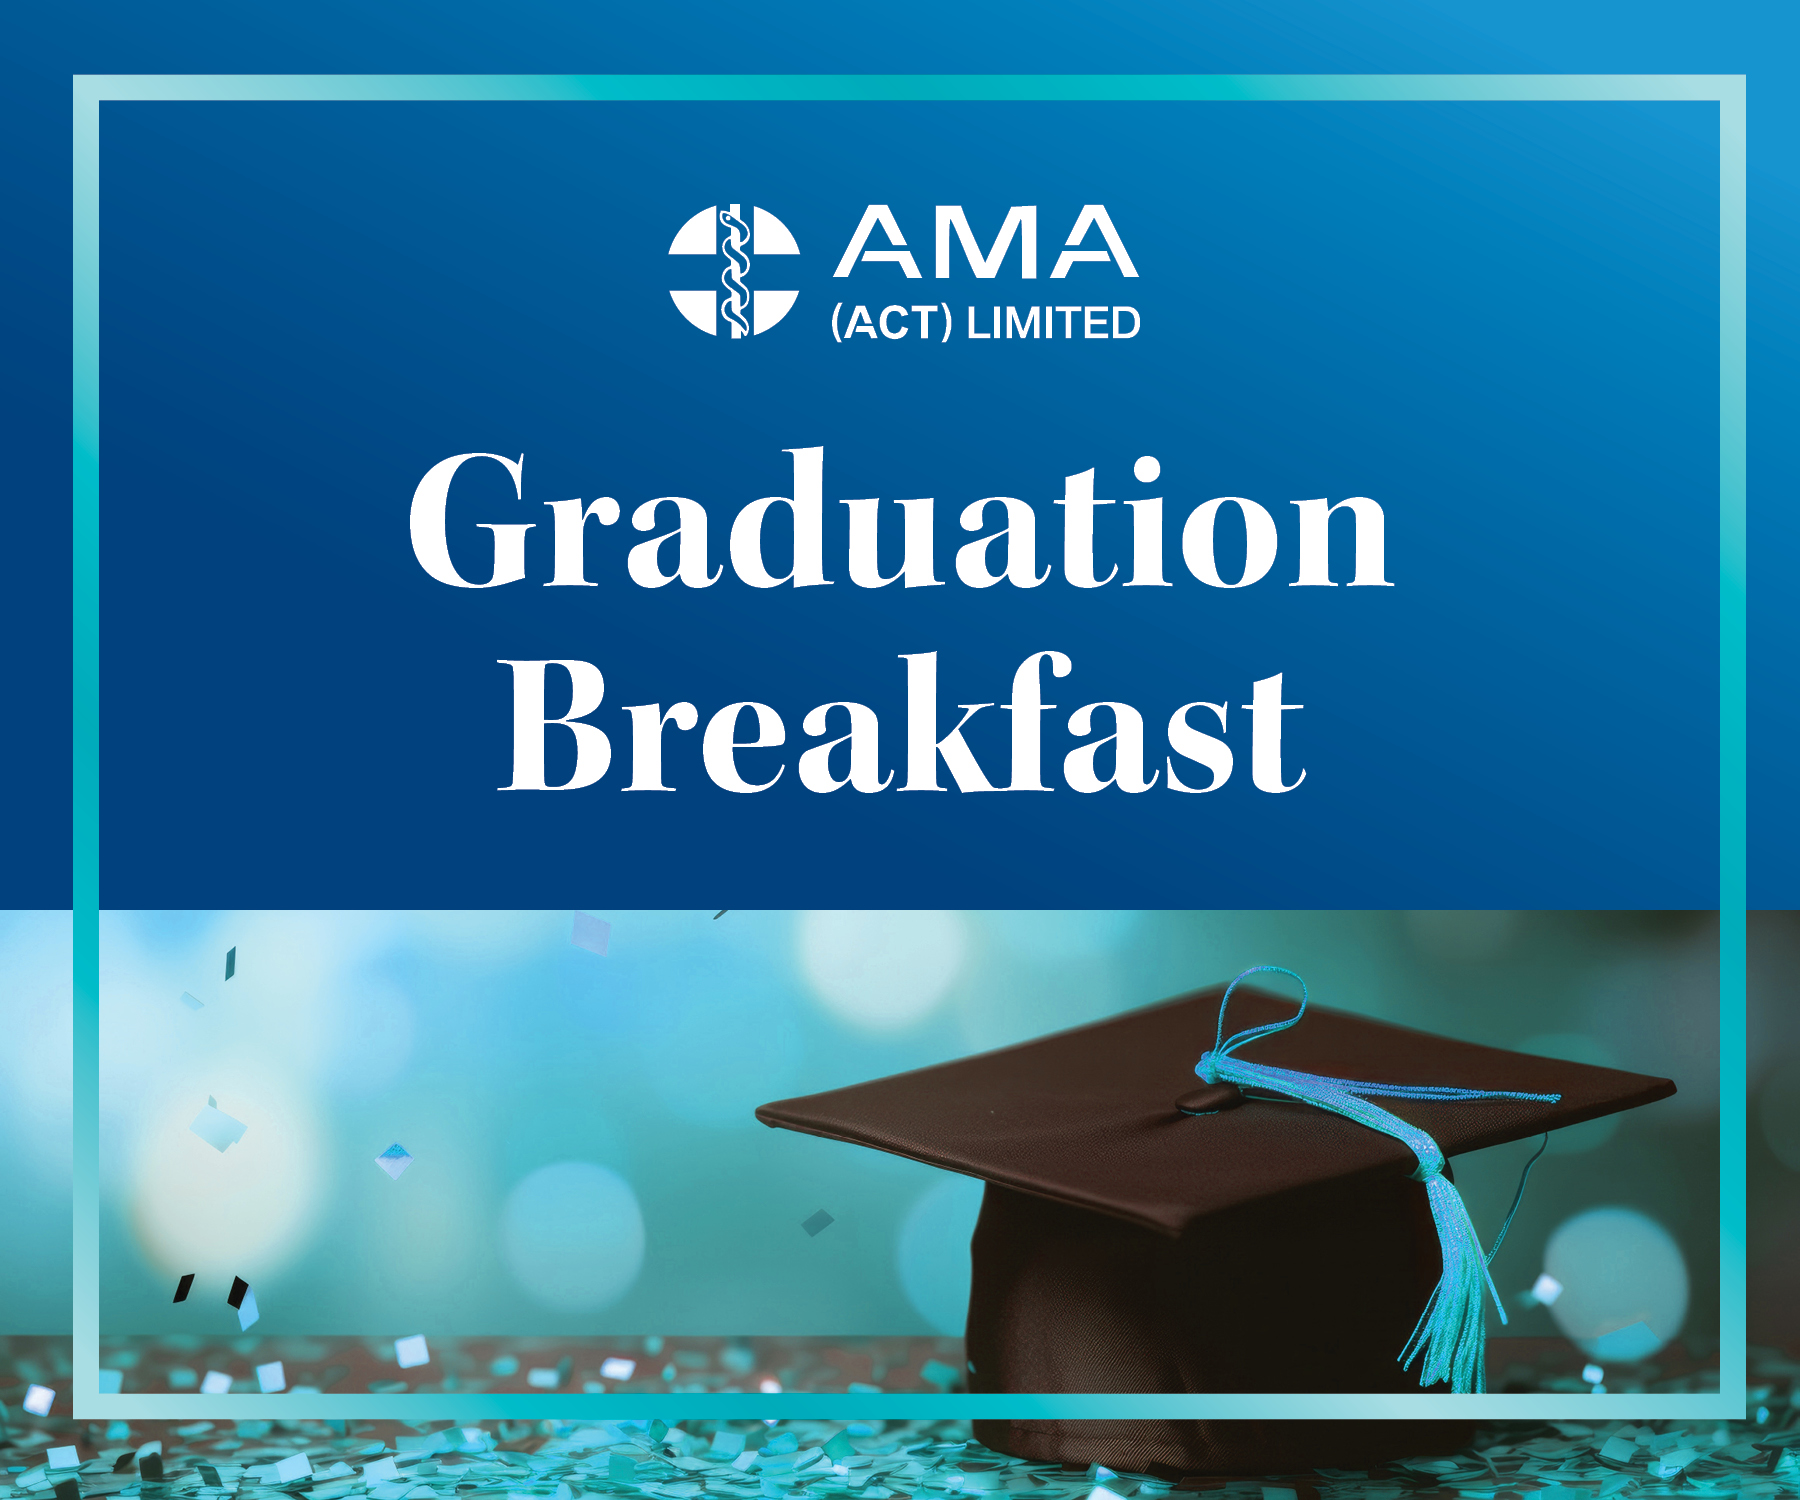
point(409, 1352)
point(395, 1160)
point(217, 1128)
point(244, 1300)
point(1634, 1341)
point(818, 1222)
point(271, 1378)
point(616, 1368)
point(215, 1383)
point(111, 1382)
point(37, 1400)
point(150, 1465)
point(231, 963)
point(1546, 1289)
point(1595, 1459)
point(940, 1374)
point(184, 1286)
point(1592, 1374)
point(63, 1458)
point(190, 1002)
point(718, 914)
point(541, 1380)
point(590, 933)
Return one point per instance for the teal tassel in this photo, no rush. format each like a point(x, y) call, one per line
point(1451, 1334)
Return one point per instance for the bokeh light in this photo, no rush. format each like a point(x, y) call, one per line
point(728, 1041)
point(1047, 936)
point(490, 1045)
point(36, 1024)
point(1658, 1012)
point(932, 1254)
point(245, 1211)
point(1462, 936)
point(1625, 1284)
point(882, 970)
point(373, 1031)
point(573, 1236)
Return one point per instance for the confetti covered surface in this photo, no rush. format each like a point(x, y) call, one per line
point(661, 1365)
point(795, 1460)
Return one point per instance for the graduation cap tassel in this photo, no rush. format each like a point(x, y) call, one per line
point(1451, 1335)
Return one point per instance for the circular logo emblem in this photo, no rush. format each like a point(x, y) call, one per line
point(743, 309)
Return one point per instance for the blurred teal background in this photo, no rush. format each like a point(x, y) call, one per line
point(36, 980)
point(586, 1160)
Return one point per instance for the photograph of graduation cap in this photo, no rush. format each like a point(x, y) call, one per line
point(530, 1140)
point(1230, 1191)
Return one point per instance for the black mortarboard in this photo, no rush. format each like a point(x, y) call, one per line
point(1125, 1246)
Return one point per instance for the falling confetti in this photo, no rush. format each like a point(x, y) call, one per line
point(817, 1223)
point(271, 1378)
point(184, 1286)
point(411, 1352)
point(1546, 1289)
point(216, 1383)
point(617, 1369)
point(231, 963)
point(718, 914)
point(244, 1300)
point(218, 1129)
point(37, 1400)
point(395, 1160)
point(190, 1002)
point(591, 933)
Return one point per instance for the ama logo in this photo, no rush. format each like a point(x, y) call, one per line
point(745, 310)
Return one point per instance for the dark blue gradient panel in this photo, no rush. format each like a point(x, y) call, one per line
point(1499, 321)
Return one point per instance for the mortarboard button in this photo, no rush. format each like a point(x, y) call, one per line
point(1210, 1098)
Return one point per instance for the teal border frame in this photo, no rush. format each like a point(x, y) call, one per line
point(1726, 90)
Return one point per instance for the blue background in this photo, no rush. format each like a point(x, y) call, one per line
point(1498, 320)
point(46, 45)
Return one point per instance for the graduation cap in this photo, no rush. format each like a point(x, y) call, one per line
point(1175, 1207)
